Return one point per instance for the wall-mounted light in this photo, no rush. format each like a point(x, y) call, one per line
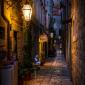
point(27, 11)
point(51, 35)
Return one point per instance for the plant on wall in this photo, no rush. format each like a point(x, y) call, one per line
point(27, 49)
point(26, 67)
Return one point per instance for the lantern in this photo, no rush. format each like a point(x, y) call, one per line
point(27, 12)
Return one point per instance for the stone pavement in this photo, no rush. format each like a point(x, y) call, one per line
point(53, 72)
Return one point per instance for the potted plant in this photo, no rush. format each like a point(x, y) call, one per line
point(25, 69)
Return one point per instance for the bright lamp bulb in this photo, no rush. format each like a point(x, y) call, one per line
point(27, 11)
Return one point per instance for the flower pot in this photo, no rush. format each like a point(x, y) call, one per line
point(21, 81)
point(27, 77)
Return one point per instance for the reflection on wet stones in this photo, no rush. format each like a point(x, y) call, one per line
point(54, 72)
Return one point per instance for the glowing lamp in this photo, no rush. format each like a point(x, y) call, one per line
point(27, 12)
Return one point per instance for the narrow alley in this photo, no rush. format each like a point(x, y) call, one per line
point(53, 72)
point(42, 42)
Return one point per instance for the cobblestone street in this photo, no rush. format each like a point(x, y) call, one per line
point(42, 42)
point(53, 72)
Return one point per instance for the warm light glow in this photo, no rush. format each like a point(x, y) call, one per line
point(27, 11)
point(43, 38)
point(51, 35)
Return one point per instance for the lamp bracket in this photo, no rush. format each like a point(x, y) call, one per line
point(11, 4)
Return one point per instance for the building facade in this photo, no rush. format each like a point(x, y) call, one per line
point(11, 45)
point(43, 13)
point(20, 43)
point(74, 38)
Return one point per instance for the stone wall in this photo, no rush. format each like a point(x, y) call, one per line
point(11, 21)
point(78, 39)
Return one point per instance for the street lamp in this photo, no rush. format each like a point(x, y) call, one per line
point(27, 12)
